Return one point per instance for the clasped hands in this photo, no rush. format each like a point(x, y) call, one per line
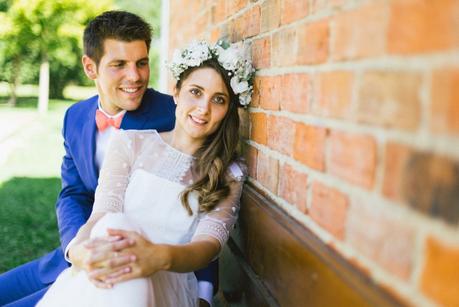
point(120, 256)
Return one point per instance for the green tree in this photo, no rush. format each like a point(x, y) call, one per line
point(49, 33)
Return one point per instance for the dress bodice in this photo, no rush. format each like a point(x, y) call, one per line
point(143, 177)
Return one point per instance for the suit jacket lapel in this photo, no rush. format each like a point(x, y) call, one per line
point(88, 134)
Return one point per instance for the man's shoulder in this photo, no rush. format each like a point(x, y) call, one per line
point(83, 106)
point(153, 97)
point(155, 102)
point(78, 111)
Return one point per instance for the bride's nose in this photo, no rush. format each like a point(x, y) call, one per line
point(203, 104)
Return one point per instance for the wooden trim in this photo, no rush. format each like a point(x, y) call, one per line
point(290, 266)
point(255, 280)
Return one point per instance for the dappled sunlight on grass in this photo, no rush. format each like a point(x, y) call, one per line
point(29, 180)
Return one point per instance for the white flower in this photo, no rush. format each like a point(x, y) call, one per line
point(245, 98)
point(228, 58)
point(237, 86)
point(234, 58)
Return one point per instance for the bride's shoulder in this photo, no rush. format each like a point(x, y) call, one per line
point(135, 138)
point(237, 170)
point(137, 134)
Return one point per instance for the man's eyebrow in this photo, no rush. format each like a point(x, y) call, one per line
point(117, 60)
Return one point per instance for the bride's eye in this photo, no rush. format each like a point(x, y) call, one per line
point(219, 100)
point(195, 92)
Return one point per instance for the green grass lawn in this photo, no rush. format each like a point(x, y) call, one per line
point(29, 180)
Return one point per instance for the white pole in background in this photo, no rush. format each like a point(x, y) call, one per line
point(164, 43)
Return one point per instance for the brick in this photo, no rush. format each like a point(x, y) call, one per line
point(247, 25)
point(250, 154)
point(256, 95)
point(387, 240)
point(309, 146)
point(203, 22)
point(329, 209)
point(218, 11)
point(393, 96)
point(418, 26)
point(261, 53)
point(317, 6)
point(332, 94)
point(440, 276)
point(258, 129)
point(267, 171)
point(215, 34)
point(396, 158)
point(293, 10)
point(313, 40)
point(235, 6)
point(281, 133)
point(355, 29)
point(293, 186)
point(270, 15)
point(296, 89)
point(445, 102)
point(269, 92)
point(284, 47)
point(353, 158)
point(253, 21)
point(430, 184)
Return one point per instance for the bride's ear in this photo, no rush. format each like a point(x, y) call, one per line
point(90, 67)
point(175, 95)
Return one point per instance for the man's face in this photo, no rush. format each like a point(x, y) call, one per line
point(122, 74)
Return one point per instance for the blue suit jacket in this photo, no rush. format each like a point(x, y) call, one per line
point(80, 174)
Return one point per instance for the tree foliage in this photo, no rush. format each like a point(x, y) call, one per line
point(44, 30)
point(32, 31)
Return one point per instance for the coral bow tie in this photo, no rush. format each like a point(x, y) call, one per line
point(102, 121)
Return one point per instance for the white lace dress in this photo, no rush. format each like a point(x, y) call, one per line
point(139, 188)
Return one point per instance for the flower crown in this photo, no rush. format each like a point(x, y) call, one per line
point(234, 58)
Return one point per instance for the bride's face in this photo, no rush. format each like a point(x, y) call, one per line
point(202, 103)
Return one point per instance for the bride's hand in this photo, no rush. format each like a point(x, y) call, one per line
point(149, 258)
point(100, 257)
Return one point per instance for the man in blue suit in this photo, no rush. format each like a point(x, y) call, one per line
point(116, 46)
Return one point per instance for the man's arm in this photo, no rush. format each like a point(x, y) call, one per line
point(74, 203)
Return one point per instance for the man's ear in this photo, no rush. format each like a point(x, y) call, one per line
point(90, 67)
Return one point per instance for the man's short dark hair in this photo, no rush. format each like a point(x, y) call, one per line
point(119, 25)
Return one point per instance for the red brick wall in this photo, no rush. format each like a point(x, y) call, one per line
point(354, 127)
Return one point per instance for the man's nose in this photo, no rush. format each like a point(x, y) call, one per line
point(133, 73)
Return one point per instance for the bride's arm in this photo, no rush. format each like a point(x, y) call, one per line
point(79, 252)
point(90, 254)
point(211, 234)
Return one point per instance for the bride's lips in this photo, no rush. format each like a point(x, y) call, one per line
point(198, 121)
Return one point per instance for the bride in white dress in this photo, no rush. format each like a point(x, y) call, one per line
point(176, 194)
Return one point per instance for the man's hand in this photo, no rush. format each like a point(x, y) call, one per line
point(100, 257)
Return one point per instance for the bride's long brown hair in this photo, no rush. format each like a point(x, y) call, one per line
point(216, 153)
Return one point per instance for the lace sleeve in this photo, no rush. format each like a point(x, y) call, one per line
point(114, 175)
point(218, 222)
